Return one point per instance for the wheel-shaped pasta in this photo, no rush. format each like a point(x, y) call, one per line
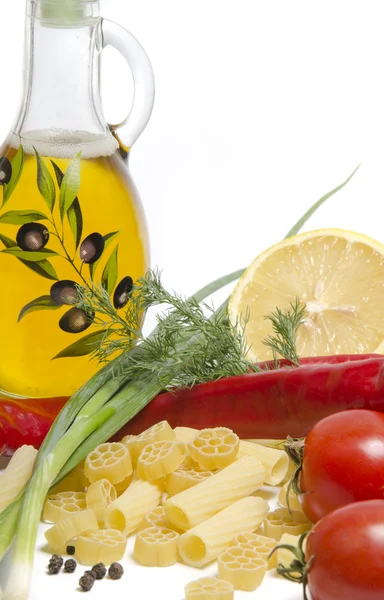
point(75, 481)
point(185, 476)
point(99, 496)
point(261, 544)
point(155, 518)
point(282, 521)
point(71, 527)
point(61, 505)
point(209, 588)
point(156, 547)
point(242, 567)
point(110, 461)
point(293, 499)
point(214, 448)
point(159, 459)
point(160, 431)
point(102, 546)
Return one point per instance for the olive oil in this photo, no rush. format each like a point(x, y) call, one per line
point(104, 240)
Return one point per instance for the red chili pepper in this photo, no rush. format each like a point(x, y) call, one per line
point(26, 421)
point(275, 403)
point(272, 404)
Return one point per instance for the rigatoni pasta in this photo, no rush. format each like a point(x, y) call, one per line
point(275, 462)
point(156, 547)
point(127, 512)
point(16, 475)
point(203, 543)
point(238, 480)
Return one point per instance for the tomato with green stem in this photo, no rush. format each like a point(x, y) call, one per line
point(343, 462)
point(344, 555)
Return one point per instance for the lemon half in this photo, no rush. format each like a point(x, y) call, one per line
point(338, 274)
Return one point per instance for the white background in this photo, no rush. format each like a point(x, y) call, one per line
point(261, 107)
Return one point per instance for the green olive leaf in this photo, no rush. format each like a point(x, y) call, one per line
point(30, 256)
point(70, 185)
point(108, 239)
point(17, 169)
point(42, 267)
point(19, 217)
point(75, 218)
point(58, 172)
point(41, 303)
point(45, 182)
point(109, 276)
point(85, 345)
point(8, 243)
point(74, 214)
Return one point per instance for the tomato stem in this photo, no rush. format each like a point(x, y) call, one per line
point(298, 569)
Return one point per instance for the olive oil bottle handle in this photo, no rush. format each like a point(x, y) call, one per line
point(143, 79)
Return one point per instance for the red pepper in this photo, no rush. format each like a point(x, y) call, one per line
point(271, 404)
point(26, 421)
point(275, 403)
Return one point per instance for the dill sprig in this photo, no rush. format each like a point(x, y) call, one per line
point(192, 343)
point(285, 325)
point(218, 348)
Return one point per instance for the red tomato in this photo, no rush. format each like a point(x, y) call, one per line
point(348, 553)
point(343, 462)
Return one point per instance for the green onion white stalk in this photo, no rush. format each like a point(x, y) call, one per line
point(96, 412)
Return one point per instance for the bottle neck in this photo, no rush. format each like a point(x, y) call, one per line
point(61, 92)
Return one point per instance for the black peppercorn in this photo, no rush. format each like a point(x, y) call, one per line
point(86, 581)
point(55, 564)
point(70, 565)
point(115, 571)
point(99, 571)
point(71, 550)
point(91, 573)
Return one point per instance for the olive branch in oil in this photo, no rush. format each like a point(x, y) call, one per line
point(31, 247)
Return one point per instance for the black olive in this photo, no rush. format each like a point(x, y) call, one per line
point(64, 292)
point(92, 248)
point(32, 237)
point(75, 320)
point(121, 295)
point(5, 170)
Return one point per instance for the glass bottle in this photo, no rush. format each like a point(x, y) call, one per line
point(53, 233)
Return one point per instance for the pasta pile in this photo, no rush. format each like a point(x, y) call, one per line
point(186, 495)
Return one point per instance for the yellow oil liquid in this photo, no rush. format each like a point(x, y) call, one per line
point(109, 203)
